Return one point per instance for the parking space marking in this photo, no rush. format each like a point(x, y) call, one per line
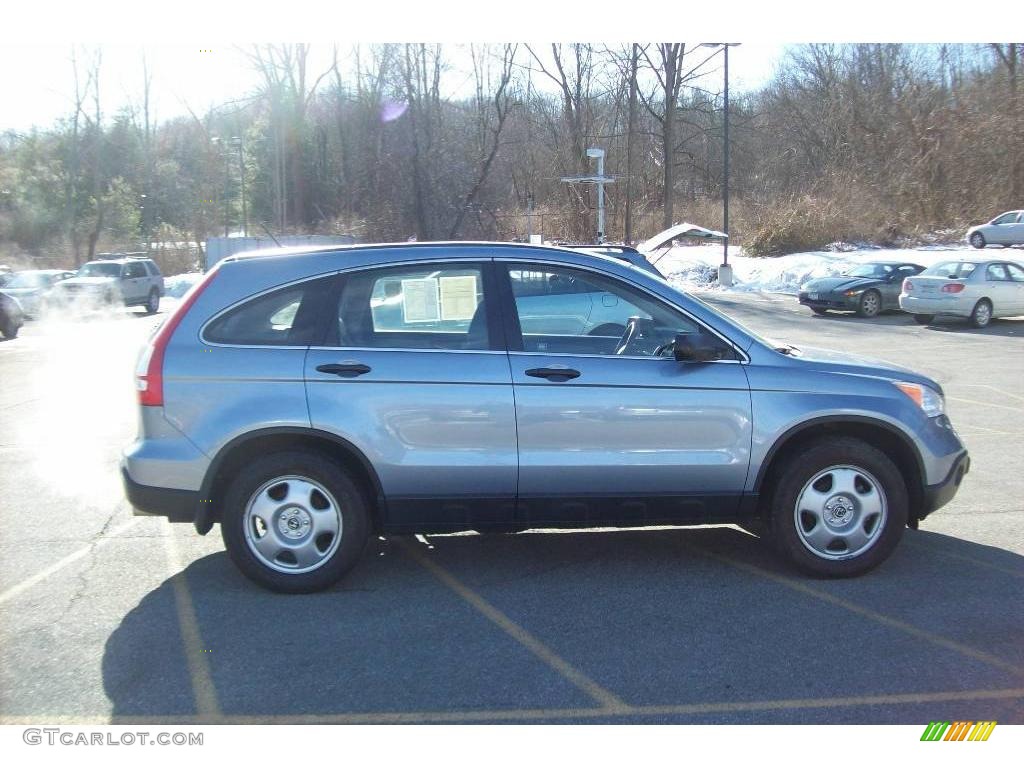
point(440, 716)
point(995, 389)
point(936, 551)
point(611, 703)
point(203, 689)
point(75, 556)
point(879, 618)
point(1016, 408)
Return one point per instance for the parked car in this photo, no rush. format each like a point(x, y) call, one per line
point(128, 281)
point(11, 316)
point(33, 288)
point(275, 402)
point(624, 253)
point(866, 289)
point(1005, 229)
point(977, 290)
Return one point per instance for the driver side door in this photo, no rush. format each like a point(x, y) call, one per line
point(610, 432)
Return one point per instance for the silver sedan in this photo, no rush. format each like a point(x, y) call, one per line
point(977, 290)
point(1005, 229)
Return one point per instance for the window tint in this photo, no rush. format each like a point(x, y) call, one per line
point(1016, 273)
point(286, 317)
point(414, 307)
point(565, 311)
point(996, 272)
point(135, 269)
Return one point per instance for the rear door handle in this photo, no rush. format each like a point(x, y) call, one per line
point(553, 374)
point(347, 370)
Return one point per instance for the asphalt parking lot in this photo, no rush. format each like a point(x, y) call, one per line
point(111, 618)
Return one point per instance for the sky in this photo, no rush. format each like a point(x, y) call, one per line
point(36, 38)
point(188, 77)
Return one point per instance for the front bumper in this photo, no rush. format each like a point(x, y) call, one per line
point(940, 494)
point(829, 300)
point(176, 505)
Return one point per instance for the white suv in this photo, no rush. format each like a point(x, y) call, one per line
point(130, 281)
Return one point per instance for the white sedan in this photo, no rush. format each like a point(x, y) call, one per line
point(1005, 229)
point(975, 289)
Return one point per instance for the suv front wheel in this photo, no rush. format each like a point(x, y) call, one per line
point(294, 522)
point(839, 508)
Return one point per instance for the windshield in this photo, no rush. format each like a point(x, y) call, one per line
point(870, 270)
point(100, 269)
point(956, 269)
point(29, 280)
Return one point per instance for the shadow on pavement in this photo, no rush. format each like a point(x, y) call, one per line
point(658, 618)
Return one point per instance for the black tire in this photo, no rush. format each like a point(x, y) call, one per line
point(978, 240)
point(874, 470)
point(981, 315)
point(923, 319)
point(819, 310)
point(870, 304)
point(9, 328)
point(351, 504)
point(153, 302)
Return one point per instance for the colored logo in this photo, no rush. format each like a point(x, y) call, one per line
point(961, 730)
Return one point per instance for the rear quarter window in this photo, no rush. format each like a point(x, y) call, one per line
point(287, 317)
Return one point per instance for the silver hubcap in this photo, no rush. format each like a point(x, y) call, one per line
point(840, 513)
point(292, 524)
point(870, 304)
point(983, 314)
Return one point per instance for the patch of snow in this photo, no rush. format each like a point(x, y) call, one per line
point(696, 267)
point(176, 286)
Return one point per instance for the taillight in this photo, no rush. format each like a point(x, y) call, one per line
point(907, 285)
point(149, 373)
point(952, 287)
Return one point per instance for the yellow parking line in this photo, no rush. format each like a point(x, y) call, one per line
point(935, 551)
point(995, 389)
point(611, 703)
point(879, 618)
point(205, 693)
point(75, 556)
point(1016, 408)
point(707, 708)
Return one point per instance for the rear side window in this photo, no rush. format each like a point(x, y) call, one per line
point(154, 270)
point(288, 317)
point(437, 306)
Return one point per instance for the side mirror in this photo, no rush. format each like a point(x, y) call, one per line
point(696, 348)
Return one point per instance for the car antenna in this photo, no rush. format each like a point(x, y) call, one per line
point(270, 234)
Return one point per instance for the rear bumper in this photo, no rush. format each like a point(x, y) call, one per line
point(940, 494)
point(176, 505)
point(917, 305)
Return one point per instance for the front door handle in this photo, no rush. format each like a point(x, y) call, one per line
point(553, 374)
point(347, 370)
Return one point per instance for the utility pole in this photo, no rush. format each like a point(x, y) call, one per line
point(600, 180)
point(241, 178)
point(727, 270)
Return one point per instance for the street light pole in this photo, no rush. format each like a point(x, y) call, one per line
point(725, 191)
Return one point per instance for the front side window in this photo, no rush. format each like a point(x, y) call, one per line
point(135, 270)
point(1006, 218)
point(414, 307)
point(287, 317)
point(567, 311)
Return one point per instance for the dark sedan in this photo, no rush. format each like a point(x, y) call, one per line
point(866, 289)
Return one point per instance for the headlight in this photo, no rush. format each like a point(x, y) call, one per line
point(928, 399)
point(854, 292)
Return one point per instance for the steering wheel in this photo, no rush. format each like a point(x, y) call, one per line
point(637, 328)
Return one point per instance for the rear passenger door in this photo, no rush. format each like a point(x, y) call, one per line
point(414, 373)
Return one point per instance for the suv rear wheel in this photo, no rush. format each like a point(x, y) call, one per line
point(152, 302)
point(294, 522)
point(839, 508)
